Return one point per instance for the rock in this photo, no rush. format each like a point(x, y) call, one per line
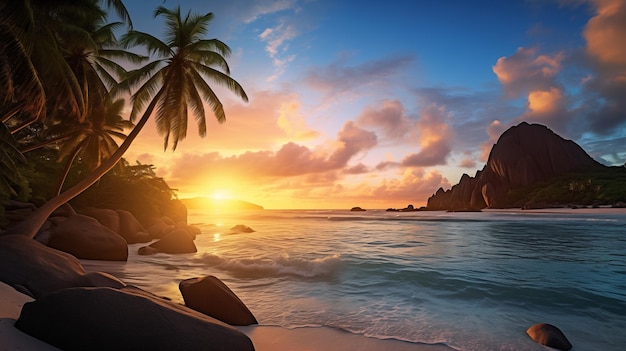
point(147, 250)
point(549, 335)
point(193, 231)
point(130, 228)
point(84, 237)
point(159, 229)
point(355, 209)
point(212, 297)
point(524, 154)
point(175, 242)
point(240, 228)
point(106, 217)
point(127, 318)
point(42, 269)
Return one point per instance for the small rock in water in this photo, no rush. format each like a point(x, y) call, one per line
point(549, 335)
point(240, 228)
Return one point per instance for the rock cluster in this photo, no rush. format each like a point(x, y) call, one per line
point(524, 154)
point(75, 310)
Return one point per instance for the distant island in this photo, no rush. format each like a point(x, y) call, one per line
point(219, 204)
point(529, 167)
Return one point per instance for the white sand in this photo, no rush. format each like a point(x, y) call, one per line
point(11, 339)
point(264, 338)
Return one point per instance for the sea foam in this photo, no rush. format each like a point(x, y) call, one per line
point(283, 265)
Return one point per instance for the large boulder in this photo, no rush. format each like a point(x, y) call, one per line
point(130, 228)
point(549, 335)
point(37, 270)
point(84, 237)
point(106, 217)
point(176, 242)
point(124, 319)
point(212, 297)
point(159, 228)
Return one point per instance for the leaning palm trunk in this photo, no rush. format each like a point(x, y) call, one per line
point(31, 225)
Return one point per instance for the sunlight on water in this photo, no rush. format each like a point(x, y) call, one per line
point(475, 281)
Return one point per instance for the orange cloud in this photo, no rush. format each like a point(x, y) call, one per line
point(434, 138)
point(542, 102)
point(390, 118)
point(605, 33)
point(526, 70)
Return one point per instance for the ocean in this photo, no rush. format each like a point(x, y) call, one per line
point(473, 281)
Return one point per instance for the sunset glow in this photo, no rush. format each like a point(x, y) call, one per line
point(334, 121)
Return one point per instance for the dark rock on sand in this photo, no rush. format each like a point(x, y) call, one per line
point(84, 237)
point(212, 297)
point(240, 228)
point(176, 242)
point(127, 318)
point(37, 270)
point(549, 335)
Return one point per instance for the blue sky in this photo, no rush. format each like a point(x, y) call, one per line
point(379, 103)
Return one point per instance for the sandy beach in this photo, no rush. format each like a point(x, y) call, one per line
point(265, 338)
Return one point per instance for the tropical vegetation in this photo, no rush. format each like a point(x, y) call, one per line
point(600, 186)
point(62, 73)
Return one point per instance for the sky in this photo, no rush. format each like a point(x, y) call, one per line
point(378, 104)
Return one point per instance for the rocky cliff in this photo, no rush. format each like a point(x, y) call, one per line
point(524, 154)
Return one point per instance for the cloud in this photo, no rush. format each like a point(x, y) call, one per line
point(340, 78)
point(413, 186)
point(527, 70)
point(390, 117)
point(258, 9)
point(351, 141)
point(276, 40)
point(288, 161)
point(548, 107)
point(606, 31)
point(358, 169)
point(603, 102)
point(467, 163)
point(434, 138)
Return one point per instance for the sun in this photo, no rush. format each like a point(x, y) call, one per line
point(220, 195)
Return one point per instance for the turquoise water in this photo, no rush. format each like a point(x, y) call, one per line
point(474, 281)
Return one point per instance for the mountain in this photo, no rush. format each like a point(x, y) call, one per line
point(525, 155)
point(219, 204)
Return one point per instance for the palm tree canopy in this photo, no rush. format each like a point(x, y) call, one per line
point(176, 81)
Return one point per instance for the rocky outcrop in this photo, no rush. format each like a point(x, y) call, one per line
point(524, 154)
point(126, 318)
point(177, 241)
point(84, 237)
point(549, 335)
point(37, 270)
point(211, 296)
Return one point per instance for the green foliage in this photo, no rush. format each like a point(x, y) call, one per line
point(135, 188)
point(601, 186)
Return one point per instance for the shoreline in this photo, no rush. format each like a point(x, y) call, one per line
point(264, 337)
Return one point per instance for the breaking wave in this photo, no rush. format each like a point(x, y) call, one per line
point(318, 268)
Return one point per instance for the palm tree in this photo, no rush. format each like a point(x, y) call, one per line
point(172, 84)
point(41, 77)
point(96, 141)
point(183, 63)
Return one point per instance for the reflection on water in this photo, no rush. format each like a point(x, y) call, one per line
point(475, 281)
